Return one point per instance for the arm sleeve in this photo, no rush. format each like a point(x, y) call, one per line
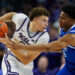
point(18, 19)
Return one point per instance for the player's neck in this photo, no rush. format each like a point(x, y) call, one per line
point(32, 27)
point(67, 28)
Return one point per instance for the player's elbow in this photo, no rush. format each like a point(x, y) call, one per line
point(10, 15)
point(7, 17)
point(25, 63)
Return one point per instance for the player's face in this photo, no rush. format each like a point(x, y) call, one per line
point(43, 63)
point(64, 20)
point(41, 23)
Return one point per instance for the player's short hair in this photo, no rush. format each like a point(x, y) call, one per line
point(38, 11)
point(69, 9)
point(11, 25)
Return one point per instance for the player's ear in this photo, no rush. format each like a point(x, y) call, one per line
point(35, 19)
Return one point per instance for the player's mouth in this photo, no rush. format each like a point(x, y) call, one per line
point(44, 27)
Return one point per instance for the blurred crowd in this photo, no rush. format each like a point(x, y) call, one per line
point(47, 63)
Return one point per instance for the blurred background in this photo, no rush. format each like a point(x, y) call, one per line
point(49, 62)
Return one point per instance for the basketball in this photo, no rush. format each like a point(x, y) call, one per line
point(3, 29)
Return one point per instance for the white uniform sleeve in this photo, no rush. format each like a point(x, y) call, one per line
point(44, 39)
point(18, 19)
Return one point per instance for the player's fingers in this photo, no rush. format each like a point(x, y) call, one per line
point(6, 36)
point(10, 41)
point(9, 45)
point(16, 41)
point(2, 40)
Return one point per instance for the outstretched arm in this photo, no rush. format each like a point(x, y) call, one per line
point(66, 40)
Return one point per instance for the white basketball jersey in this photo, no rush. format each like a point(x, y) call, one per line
point(11, 65)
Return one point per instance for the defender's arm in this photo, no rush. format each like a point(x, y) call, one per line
point(66, 40)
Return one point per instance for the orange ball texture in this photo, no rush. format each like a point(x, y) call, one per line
point(3, 29)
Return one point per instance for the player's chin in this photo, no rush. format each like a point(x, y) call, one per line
point(61, 26)
point(42, 30)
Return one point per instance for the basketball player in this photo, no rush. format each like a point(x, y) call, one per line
point(66, 41)
point(29, 30)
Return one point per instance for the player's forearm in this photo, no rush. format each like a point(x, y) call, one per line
point(56, 46)
point(40, 48)
point(7, 17)
point(52, 47)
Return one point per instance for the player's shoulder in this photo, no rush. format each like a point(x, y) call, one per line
point(19, 19)
point(45, 36)
point(45, 33)
point(20, 15)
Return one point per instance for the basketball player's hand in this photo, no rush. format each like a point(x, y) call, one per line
point(5, 40)
point(9, 43)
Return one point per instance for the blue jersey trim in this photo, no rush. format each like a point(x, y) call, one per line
point(73, 47)
point(72, 32)
point(22, 24)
